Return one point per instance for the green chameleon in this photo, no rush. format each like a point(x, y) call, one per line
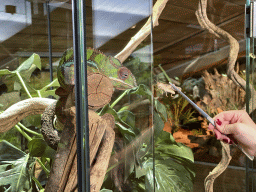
point(97, 62)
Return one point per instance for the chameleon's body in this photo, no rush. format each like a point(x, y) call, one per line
point(97, 62)
point(103, 74)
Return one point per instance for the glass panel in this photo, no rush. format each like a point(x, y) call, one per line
point(114, 24)
point(34, 35)
point(183, 149)
point(250, 83)
point(197, 61)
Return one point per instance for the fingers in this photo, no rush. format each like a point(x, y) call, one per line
point(223, 125)
point(226, 128)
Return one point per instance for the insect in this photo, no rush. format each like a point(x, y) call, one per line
point(167, 88)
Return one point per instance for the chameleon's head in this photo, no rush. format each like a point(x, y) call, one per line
point(124, 78)
point(97, 62)
point(65, 71)
point(120, 76)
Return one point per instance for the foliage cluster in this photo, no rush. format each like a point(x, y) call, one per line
point(171, 163)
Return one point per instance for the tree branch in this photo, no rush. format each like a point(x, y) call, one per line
point(143, 32)
point(234, 46)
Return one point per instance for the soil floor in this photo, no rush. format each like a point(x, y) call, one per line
point(206, 148)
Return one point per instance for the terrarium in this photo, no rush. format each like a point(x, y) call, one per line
point(86, 101)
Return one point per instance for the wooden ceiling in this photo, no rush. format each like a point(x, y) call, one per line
point(177, 39)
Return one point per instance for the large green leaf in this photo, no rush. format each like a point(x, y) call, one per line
point(176, 150)
point(165, 137)
point(161, 109)
point(158, 124)
point(14, 169)
point(174, 166)
point(22, 74)
point(128, 117)
point(38, 148)
point(169, 176)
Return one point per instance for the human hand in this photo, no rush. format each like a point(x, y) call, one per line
point(238, 126)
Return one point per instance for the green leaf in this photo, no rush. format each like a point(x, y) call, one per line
point(37, 147)
point(17, 86)
point(175, 150)
point(124, 130)
point(28, 66)
point(128, 117)
point(158, 124)
point(169, 176)
point(165, 137)
point(46, 91)
point(14, 168)
point(49, 153)
point(160, 108)
point(108, 109)
point(32, 120)
point(5, 72)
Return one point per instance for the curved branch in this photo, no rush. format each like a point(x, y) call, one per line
point(220, 168)
point(234, 45)
point(143, 32)
point(233, 51)
point(22, 109)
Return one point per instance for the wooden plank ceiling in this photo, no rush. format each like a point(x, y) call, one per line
point(178, 37)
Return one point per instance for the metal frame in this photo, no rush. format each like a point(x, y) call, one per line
point(79, 45)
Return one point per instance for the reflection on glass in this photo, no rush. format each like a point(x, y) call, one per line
point(25, 86)
point(114, 24)
point(123, 84)
point(198, 61)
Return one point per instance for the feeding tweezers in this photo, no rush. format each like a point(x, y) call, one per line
point(207, 117)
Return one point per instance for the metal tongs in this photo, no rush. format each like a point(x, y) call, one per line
point(208, 118)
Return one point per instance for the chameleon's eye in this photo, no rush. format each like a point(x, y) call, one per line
point(123, 73)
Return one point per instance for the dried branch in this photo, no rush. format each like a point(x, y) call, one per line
point(233, 53)
point(220, 168)
point(234, 45)
point(22, 109)
point(143, 32)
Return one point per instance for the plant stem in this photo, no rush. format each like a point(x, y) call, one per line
point(167, 77)
point(29, 139)
point(37, 183)
point(119, 98)
point(43, 166)
point(28, 130)
point(39, 94)
point(23, 133)
point(23, 84)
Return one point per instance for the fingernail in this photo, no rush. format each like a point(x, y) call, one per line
point(218, 122)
